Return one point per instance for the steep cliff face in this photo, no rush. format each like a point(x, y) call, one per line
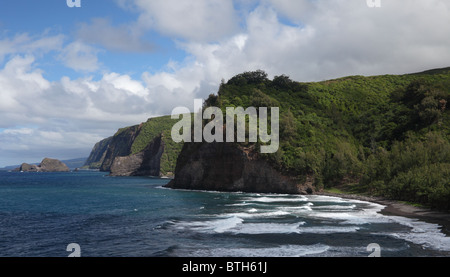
point(120, 145)
point(229, 167)
point(141, 150)
point(98, 154)
point(144, 163)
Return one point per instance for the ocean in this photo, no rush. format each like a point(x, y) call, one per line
point(41, 214)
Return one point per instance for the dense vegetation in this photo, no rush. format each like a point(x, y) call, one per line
point(388, 135)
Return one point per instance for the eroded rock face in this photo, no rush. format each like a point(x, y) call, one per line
point(229, 167)
point(126, 166)
point(119, 146)
point(144, 163)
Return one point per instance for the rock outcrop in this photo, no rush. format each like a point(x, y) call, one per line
point(120, 146)
point(27, 168)
point(144, 163)
point(230, 167)
point(53, 165)
point(47, 165)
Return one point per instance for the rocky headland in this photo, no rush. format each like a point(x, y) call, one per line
point(230, 167)
point(140, 150)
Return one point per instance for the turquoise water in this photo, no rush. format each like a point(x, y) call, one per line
point(42, 213)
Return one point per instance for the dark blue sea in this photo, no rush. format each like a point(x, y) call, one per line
point(42, 213)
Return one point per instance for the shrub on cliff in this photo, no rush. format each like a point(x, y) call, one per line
point(416, 170)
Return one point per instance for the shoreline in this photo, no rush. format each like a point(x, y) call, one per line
point(397, 208)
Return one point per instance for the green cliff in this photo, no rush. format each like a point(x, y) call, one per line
point(132, 150)
point(384, 135)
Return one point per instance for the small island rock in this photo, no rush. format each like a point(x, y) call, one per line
point(47, 165)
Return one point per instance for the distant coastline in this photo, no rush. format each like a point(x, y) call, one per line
point(71, 163)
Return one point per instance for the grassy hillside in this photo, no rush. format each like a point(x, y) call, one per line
point(388, 135)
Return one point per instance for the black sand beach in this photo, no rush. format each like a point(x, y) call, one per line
point(397, 208)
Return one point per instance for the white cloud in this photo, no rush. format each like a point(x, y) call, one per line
point(351, 38)
point(25, 44)
point(266, 44)
point(328, 39)
point(199, 20)
point(51, 136)
point(124, 82)
point(126, 38)
point(296, 11)
point(80, 57)
point(76, 55)
point(22, 131)
point(20, 85)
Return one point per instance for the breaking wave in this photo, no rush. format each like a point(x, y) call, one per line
point(312, 216)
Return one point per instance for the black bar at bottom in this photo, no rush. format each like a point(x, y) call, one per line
point(224, 266)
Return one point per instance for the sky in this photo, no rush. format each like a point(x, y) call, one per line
point(71, 76)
